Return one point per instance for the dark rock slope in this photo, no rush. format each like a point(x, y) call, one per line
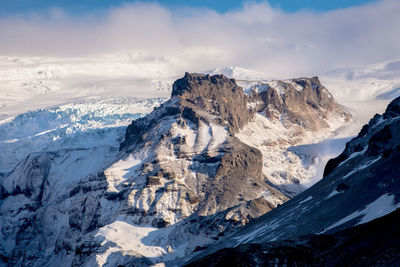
point(376, 243)
point(359, 185)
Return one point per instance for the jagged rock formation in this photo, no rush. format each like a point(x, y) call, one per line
point(359, 185)
point(304, 102)
point(186, 175)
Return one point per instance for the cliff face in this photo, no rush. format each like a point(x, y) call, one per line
point(303, 101)
point(204, 98)
point(218, 95)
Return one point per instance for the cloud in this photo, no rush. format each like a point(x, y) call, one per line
point(256, 36)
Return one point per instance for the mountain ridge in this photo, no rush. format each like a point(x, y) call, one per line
point(184, 175)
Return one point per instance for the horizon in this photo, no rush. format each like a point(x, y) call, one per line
point(282, 38)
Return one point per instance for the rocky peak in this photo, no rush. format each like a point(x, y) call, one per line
point(198, 98)
point(216, 94)
point(193, 85)
point(393, 109)
point(302, 101)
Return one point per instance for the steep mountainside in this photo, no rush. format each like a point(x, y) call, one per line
point(188, 173)
point(369, 244)
point(359, 185)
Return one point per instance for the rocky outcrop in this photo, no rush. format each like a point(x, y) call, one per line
point(192, 153)
point(303, 101)
point(216, 94)
point(199, 97)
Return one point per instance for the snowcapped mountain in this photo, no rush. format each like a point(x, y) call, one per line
point(359, 186)
point(193, 170)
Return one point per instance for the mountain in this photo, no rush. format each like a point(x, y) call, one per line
point(369, 244)
point(195, 169)
point(359, 186)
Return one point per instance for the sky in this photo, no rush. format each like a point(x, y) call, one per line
point(83, 6)
point(279, 37)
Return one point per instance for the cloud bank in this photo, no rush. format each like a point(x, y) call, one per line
point(256, 36)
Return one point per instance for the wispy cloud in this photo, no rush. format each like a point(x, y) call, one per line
point(256, 36)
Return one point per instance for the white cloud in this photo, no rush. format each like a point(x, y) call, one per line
point(256, 36)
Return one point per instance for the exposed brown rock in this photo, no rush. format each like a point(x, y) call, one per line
point(303, 101)
point(218, 95)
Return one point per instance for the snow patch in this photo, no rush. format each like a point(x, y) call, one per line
point(378, 208)
point(120, 171)
point(127, 237)
point(366, 165)
point(306, 200)
point(333, 193)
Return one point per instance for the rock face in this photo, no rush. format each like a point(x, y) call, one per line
point(191, 150)
point(359, 185)
point(370, 244)
point(303, 101)
point(294, 112)
point(218, 95)
point(202, 98)
point(186, 175)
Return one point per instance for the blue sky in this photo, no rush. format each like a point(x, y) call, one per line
point(12, 7)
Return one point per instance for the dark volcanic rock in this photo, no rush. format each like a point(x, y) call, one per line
point(216, 94)
point(370, 244)
point(380, 136)
point(241, 160)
